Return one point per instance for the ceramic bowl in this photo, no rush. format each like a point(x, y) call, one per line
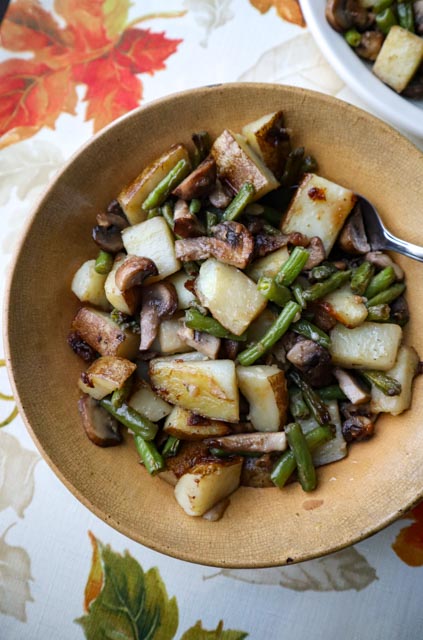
point(404, 113)
point(380, 479)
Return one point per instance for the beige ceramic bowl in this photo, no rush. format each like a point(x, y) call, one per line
point(379, 480)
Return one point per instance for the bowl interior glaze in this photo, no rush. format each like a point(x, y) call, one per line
point(379, 480)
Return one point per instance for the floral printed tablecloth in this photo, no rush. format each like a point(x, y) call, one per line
point(68, 68)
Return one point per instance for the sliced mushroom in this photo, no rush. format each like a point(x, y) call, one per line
point(159, 301)
point(382, 260)
point(345, 14)
point(256, 471)
point(250, 442)
point(418, 16)
point(221, 195)
point(199, 182)
point(265, 243)
point(355, 392)
point(400, 312)
point(100, 427)
point(353, 238)
point(370, 44)
point(186, 224)
point(110, 223)
point(232, 244)
point(322, 318)
point(414, 89)
point(317, 253)
point(358, 428)
point(133, 271)
point(313, 361)
point(229, 349)
point(203, 342)
point(215, 513)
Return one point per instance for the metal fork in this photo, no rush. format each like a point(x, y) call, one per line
point(380, 238)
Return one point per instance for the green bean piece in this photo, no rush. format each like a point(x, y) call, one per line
point(310, 331)
point(238, 204)
point(406, 16)
point(302, 454)
point(380, 282)
point(153, 213)
point(379, 313)
point(167, 212)
point(297, 406)
point(202, 146)
point(321, 289)
point(323, 271)
point(103, 263)
point(211, 220)
point(119, 396)
point(166, 186)
point(381, 5)
point(195, 206)
point(291, 268)
point(272, 335)
point(298, 291)
point(309, 165)
point(317, 407)
point(292, 172)
point(286, 464)
point(388, 385)
point(361, 277)
point(277, 293)
point(138, 423)
point(224, 453)
point(353, 37)
point(195, 320)
point(331, 392)
point(387, 296)
point(153, 461)
point(171, 447)
point(385, 20)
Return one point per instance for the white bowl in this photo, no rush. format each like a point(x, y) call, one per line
point(403, 113)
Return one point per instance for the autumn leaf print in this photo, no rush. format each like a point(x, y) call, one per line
point(408, 544)
point(15, 575)
point(288, 10)
point(198, 633)
point(97, 48)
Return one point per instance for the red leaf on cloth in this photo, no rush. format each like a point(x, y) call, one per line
point(408, 544)
point(92, 49)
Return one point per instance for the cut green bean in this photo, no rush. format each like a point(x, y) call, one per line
point(298, 291)
point(331, 392)
point(309, 165)
point(406, 16)
point(166, 186)
point(238, 204)
point(202, 146)
point(195, 206)
point(310, 331)
point(153, 213)
point(272, 291)
point(275, 333)
point(385, 20)
point(195, 320)
point(103, 263)
point(388, 385)
point(292, 172)
point(381, 5)
point(298, 408)
point(292, 267)
point(153, 461)
point(167, 212)
point(379, 313)
point(321, 289)
point(171, 447)
point(302, 454)
point(224, 453)
point(138, 423)
point(119, 396)
point(380, 282)
point(361, 278)
point(317, 407)
point(211, 220)
point(353, 37)
point(387, 296)
point(323, 271)
point(286, 464)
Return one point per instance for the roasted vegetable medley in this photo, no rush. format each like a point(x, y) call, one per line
point(236, 321)
point(388, 33)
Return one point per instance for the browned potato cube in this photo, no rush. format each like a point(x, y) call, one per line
point(106, 337)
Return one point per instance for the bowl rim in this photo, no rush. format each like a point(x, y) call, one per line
point(403, 113)
point(102, 514)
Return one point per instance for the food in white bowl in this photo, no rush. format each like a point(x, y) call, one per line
point(236, 320)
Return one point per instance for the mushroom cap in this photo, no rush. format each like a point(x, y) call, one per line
point(101, 428)
point(133, 271)
point(159, 301)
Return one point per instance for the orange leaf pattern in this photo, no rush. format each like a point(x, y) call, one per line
point(288, 10)
point(408, 544)
point(93, 45)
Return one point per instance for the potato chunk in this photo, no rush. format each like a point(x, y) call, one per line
point(206, 387)
point(372, 345)
point(133, 195)
point(399, 58)
point(335, 449)
point(104, 335)
point(206, 484)
point(145, 401)
point(270, 140)
point(319, 208)
point(346, 307)
point(230, 295)
point(269, 265)
point(266, 391)
point(185, 296)
point(105, 375)
point(153, 239)
point(186, 425)
point(238, 163)
point(88, 285)
point(404, 370)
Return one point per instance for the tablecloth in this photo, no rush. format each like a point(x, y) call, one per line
point(68, 68)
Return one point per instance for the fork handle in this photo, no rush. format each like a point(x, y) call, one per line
point(402, 246)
